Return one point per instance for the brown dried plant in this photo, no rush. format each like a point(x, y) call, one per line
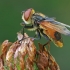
point(45, 61)
point(22, 55)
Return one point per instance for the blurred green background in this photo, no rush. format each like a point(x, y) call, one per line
point(10, 19)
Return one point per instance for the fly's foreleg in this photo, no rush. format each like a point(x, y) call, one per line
point(25, 26)
point(28, 27)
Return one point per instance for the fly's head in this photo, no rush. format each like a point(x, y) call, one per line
point(27, 15)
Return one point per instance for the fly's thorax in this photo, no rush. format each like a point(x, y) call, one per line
point(42, 15)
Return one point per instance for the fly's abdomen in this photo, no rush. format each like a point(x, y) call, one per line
point(54, 36)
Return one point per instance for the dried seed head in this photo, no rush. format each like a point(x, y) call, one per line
point(27, 47)
point(1, 64)
point(12, 50)
point(5, 45)
point(45, 60)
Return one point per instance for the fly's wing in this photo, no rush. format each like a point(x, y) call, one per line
point(58, 26)
point(51, 23)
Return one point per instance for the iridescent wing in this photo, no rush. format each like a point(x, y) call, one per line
point(51, 23)
point(58, 26)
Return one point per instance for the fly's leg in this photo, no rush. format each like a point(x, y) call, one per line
point(48, 49)
point(31, 27)
point(48, 44)
point(23, 32)
point(37, 32)
point(27, 27)
point(22, 24)
point(37, 35)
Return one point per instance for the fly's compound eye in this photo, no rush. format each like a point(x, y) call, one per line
point(27, 14)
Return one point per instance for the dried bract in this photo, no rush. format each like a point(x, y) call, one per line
point(27, 48)
point(5, 45)
point(1, 64)
point(45, 60)
point(12, 50)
